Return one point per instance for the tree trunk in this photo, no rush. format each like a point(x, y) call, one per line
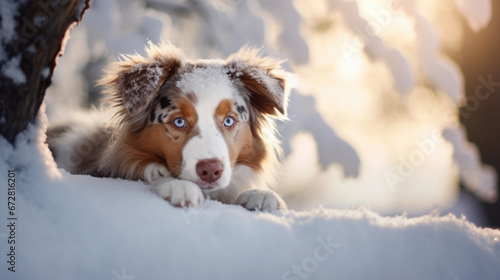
point(32, 37)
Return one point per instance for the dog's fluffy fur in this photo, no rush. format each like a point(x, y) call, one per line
point(192, 129)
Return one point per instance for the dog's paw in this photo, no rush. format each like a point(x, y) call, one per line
point(181, 193)
point(155, 171)
point(261, 200)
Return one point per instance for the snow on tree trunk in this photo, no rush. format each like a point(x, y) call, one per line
point(32, 37)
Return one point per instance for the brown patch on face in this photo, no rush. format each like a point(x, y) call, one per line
point(244, 147)
point(164, 143)
point(223, 109)
point(252, 150)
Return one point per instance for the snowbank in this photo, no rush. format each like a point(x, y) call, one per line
point(88, 228)
point(80, 227)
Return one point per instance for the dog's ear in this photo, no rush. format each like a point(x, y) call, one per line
point(266, 85)
point(139, 84)
point(134, 81)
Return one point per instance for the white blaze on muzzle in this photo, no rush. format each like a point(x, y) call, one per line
point(208, 146)
point(210, 86)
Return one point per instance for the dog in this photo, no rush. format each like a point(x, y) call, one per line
point(191, 129)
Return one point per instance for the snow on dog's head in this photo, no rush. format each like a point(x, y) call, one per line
point(201, 118)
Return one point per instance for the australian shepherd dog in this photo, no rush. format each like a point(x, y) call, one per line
point(191, 129)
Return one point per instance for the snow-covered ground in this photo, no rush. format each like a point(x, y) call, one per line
point(80, 227)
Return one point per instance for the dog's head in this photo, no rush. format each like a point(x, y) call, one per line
point(199, 118)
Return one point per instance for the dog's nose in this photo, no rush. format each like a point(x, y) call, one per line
point(209, 170)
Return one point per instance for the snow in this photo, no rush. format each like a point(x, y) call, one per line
point(375, 46)
point(286, 18)
point(12, 70)
point(31, 49)
point(124, 27)
point(476, 12)
point(442, 72)
point(263, 77)
point(40, 20)
point(7, 16)
point(140, 88)
point(208, 79)
point(45, 72)
point(80, 227)
point(480, 180)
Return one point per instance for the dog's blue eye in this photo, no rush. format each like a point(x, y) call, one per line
point(229, 121)
point(180, 122)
